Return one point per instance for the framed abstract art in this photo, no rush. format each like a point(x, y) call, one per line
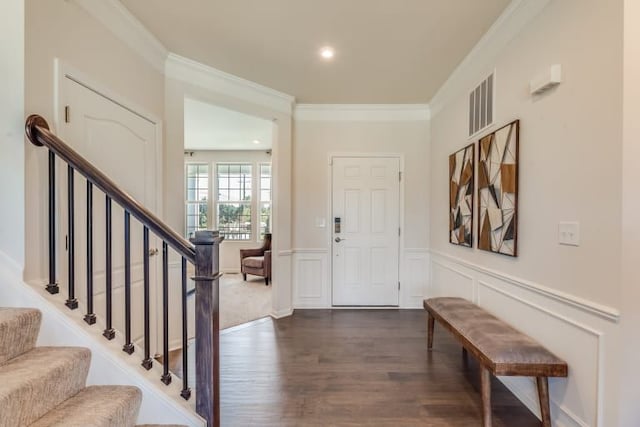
point(498, 190)
point(461, 190)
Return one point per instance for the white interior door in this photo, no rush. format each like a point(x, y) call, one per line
point(123, 145)
point(365, 231)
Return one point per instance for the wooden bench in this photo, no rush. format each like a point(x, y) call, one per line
point(499, 348)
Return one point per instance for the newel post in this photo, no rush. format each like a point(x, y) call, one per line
point(207, 244)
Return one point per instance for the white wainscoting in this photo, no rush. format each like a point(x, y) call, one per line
point(414, 277)
point(312, 278)
point(311, 283)
point(570, 327)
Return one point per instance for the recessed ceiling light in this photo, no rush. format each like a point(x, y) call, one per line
point(327, 52)
point(255, 141)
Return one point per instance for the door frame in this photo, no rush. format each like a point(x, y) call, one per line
point(329, 213)
point(63, 70)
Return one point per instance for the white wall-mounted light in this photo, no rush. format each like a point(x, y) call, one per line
point(552, 77)
point(255, 141)
point(327, 52)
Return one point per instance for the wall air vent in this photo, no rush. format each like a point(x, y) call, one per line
point(481, 106)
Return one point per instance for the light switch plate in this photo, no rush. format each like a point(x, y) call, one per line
point(569, 233)
point(320, 222)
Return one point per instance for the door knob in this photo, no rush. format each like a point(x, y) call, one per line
point(153, 252)
point(338, 239)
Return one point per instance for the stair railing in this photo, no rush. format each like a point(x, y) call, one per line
point(202, 252)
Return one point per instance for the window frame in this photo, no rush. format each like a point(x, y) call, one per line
point(188, 202)
point(250, 202)
point(261, 203)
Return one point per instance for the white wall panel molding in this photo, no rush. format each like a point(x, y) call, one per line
point(362, 112)
point(193, 72)
point(575, 330)
point(117, 19)
point(514, 18)
point(584, 352)
point(414, 276)
point(447, 280)
point(311, 282)
point(312, 277)
point(590, 307)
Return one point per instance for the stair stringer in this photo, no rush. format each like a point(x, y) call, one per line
point(109, 364)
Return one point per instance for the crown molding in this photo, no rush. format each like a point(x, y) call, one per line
point(193, 72)
point(362, 112)
point(482, 57)
point(117, 18)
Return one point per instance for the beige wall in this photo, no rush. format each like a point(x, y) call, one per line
point(229, 249)
point(571, 155)
point(61, 29)
point(570, 151)
point(314, 142)
point(12, 143)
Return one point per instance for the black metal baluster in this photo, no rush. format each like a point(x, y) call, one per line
point(147, 363)
point(128, 346)
point(71, 302)
point(109, 333)
point(52, 287)
point(90, 317)
point(166, 376)
point(186, 391)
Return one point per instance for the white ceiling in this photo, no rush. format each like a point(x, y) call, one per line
point(387, 51)
point(209, 127)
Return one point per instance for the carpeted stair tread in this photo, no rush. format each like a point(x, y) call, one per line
point(19, 329)
point(96, 406)
point(35, 382)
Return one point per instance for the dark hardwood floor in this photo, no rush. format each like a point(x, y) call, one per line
point(353, 368)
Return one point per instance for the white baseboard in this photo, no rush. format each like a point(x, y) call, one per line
point(279, 314)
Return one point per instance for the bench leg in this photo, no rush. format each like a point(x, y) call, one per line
point(430, 325)
point(485, 391)
point(543, 395)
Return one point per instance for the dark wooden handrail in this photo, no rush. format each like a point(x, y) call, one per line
point(202, 251)
point(38, 132)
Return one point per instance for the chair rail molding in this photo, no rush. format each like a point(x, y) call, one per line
point(607, 313)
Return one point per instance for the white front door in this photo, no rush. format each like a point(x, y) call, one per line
point(123, 145)
point(365, 231)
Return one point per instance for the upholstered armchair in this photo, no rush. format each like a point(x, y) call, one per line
point(257, 261)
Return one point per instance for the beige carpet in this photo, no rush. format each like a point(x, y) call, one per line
point(241, 301)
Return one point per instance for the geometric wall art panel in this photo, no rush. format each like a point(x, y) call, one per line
point(498, 190)
point(461, 191)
